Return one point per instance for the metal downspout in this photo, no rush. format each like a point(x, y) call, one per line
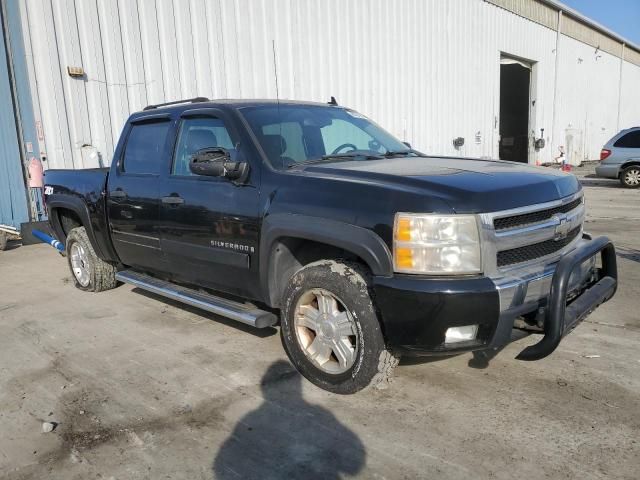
point(620, 88)
point(554, 120)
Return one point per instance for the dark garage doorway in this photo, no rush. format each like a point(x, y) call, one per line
point(515, 83)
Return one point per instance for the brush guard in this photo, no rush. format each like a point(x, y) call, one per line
point(562, 317)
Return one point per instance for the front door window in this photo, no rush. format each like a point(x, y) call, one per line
point(196, 134)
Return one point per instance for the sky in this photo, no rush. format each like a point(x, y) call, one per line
point(621, 16)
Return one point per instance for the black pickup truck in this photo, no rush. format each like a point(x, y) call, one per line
point(312, 216)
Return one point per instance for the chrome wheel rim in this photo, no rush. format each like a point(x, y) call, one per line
point(632, 177)
point(80, 264)
point(326, 331)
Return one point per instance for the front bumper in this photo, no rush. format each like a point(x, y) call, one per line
point(608, 171)
point(417, 311)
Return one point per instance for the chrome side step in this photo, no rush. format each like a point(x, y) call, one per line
point(247, 314)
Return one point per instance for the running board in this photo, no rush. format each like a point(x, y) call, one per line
point(247, 314)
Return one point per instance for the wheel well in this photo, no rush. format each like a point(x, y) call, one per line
point(632, 163)
point(289, 255)
point(68, 220)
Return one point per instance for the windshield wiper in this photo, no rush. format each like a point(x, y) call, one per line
point(337, 156)
point(397, 153)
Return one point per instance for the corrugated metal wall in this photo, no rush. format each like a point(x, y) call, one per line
point(543, 13)
point(427, 70)
point(630, 105)
point(587, 103)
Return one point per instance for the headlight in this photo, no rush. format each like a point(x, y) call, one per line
point(436, 244)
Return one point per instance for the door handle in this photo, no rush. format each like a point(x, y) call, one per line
point(173, 200)
point(118, 194)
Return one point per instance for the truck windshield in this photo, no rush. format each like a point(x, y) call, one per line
point(295, 134)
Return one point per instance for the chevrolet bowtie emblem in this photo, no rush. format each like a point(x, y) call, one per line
point(563, 227)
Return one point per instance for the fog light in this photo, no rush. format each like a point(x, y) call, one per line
point(461, 334)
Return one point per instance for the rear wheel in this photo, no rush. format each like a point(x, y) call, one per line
point(90, 273)
point(330, 329)
point(630, 177)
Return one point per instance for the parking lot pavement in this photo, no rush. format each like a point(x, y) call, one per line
point(141, 388)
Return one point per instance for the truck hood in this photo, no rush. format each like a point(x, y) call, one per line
point(467, 185)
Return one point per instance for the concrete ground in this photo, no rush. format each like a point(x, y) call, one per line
point(141, 388)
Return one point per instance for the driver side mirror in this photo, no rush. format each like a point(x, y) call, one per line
point(216, 162)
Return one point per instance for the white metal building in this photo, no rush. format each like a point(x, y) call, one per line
point(493, 72)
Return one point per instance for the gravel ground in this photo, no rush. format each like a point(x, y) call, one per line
point(140, 388)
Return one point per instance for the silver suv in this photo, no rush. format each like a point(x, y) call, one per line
point(620, 158)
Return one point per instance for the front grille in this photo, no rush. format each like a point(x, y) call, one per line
point(534, 217)
point(535, 250)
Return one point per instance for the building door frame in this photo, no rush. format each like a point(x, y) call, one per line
point(531, 65)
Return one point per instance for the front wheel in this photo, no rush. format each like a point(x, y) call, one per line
point(330, 329)
point(90, 273)
point(630, 177)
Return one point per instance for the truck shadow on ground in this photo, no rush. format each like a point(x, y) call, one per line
point(287, 437)
point(479, 359)
point(258, 332)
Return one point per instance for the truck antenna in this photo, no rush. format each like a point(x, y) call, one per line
point(275, 74)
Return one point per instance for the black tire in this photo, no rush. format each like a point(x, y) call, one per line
point(102, 275)
point(349, 283)
point(4, 240)
point(630, 177)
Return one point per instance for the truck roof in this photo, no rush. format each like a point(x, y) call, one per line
point(204, 102)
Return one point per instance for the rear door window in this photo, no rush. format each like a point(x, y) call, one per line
point(630, 140)
point(145, 148)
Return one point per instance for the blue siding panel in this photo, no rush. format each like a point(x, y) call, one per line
point(21, 75)
point(13, 199)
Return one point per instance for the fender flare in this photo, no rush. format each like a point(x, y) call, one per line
point(630, 162)
point(77, 206)
point(358, 240)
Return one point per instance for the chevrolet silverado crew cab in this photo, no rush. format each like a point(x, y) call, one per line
point(313, 217)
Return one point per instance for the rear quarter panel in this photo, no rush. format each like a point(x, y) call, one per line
point(80, 191)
